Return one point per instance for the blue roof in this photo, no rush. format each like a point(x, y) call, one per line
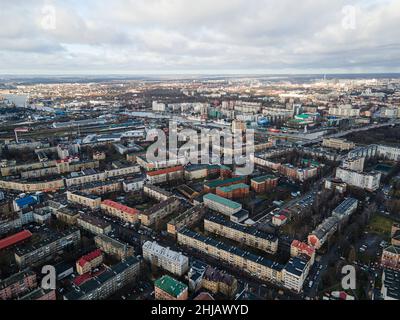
point(27, 201)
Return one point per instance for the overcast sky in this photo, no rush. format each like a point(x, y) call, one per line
point(199, 36)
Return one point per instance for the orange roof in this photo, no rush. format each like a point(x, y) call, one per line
point(121, 207)
point(304, 247)
point(164, 171)
point(89, 257)
point(14, 239)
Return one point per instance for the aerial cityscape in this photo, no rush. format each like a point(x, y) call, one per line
point(186, 184)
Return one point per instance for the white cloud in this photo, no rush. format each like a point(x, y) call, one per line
point(125, 36)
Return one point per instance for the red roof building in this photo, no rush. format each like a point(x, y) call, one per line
point(297, 247)
point(120, 211)
point(165, 171)
point(14, 239)
point(90, 261)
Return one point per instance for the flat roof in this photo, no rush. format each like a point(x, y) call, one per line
point(223, 201)
point(170, 285)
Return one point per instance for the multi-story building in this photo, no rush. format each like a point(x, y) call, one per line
point(221, 205)
point(345, 209)
point(298, 248)
point(135, 184)
point(87, 200)
point(391, 258)
point(113, 247)
point(336, 184)
point(49, 245)
point(264, 183)
point(258, 266)
point(211, 186)
point(15, 239)
point(390, 284)
point(196, 171)
point(24, 186)
point(368, 181)
point(67, 215)
point(17, 284)
point(156, 193)
point(344, 111)
point(299, 174)
point(323, 232)
point(354, 163)
point(296, 272)
point(167, 288)
point(89, 261)
point(41, 295)
point(235, 191)
point(339, 144)
point(120, 211)
point(249, 236)
point(159, 211)
point(390, 153)
point(174, 262)
point(108, 282)
point(217, 281)
point(94, 224)
point(185, 219)
point(85, 176)
point(165, 175)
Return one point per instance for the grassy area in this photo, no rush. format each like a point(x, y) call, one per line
point(380, 225)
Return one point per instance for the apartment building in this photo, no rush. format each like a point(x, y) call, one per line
point(67, 215)
point(217, 281)
point(156, 193)
point(174, 262)
point(345, 209)
point(390, 284)
point(221, 205)
point(108, 282)
point(389, 153)
point(165, 175)
point(249, 236)
point(113, 247)
point(17, 284)
point(102, 187)
point(323, 232)
point(344, 111)
point(47, 247)
point(85, 176)
point(211, 186)
point(168, 288)
point(368, 181)
point(159, 211)
point(355, 163)
point(186, 219)
point(196, 171)
point(132, 185)
point(24, 186)
point(235, 191)
point(87, 200)
point(391, 258)
point(89, 262)
point(336, 184)
point(41, 295)
point(295, 273)
point(120, 211)
point(94, 224)
point(258, 266)
point(338, 144)
point(298, 248)
point(264, 184)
